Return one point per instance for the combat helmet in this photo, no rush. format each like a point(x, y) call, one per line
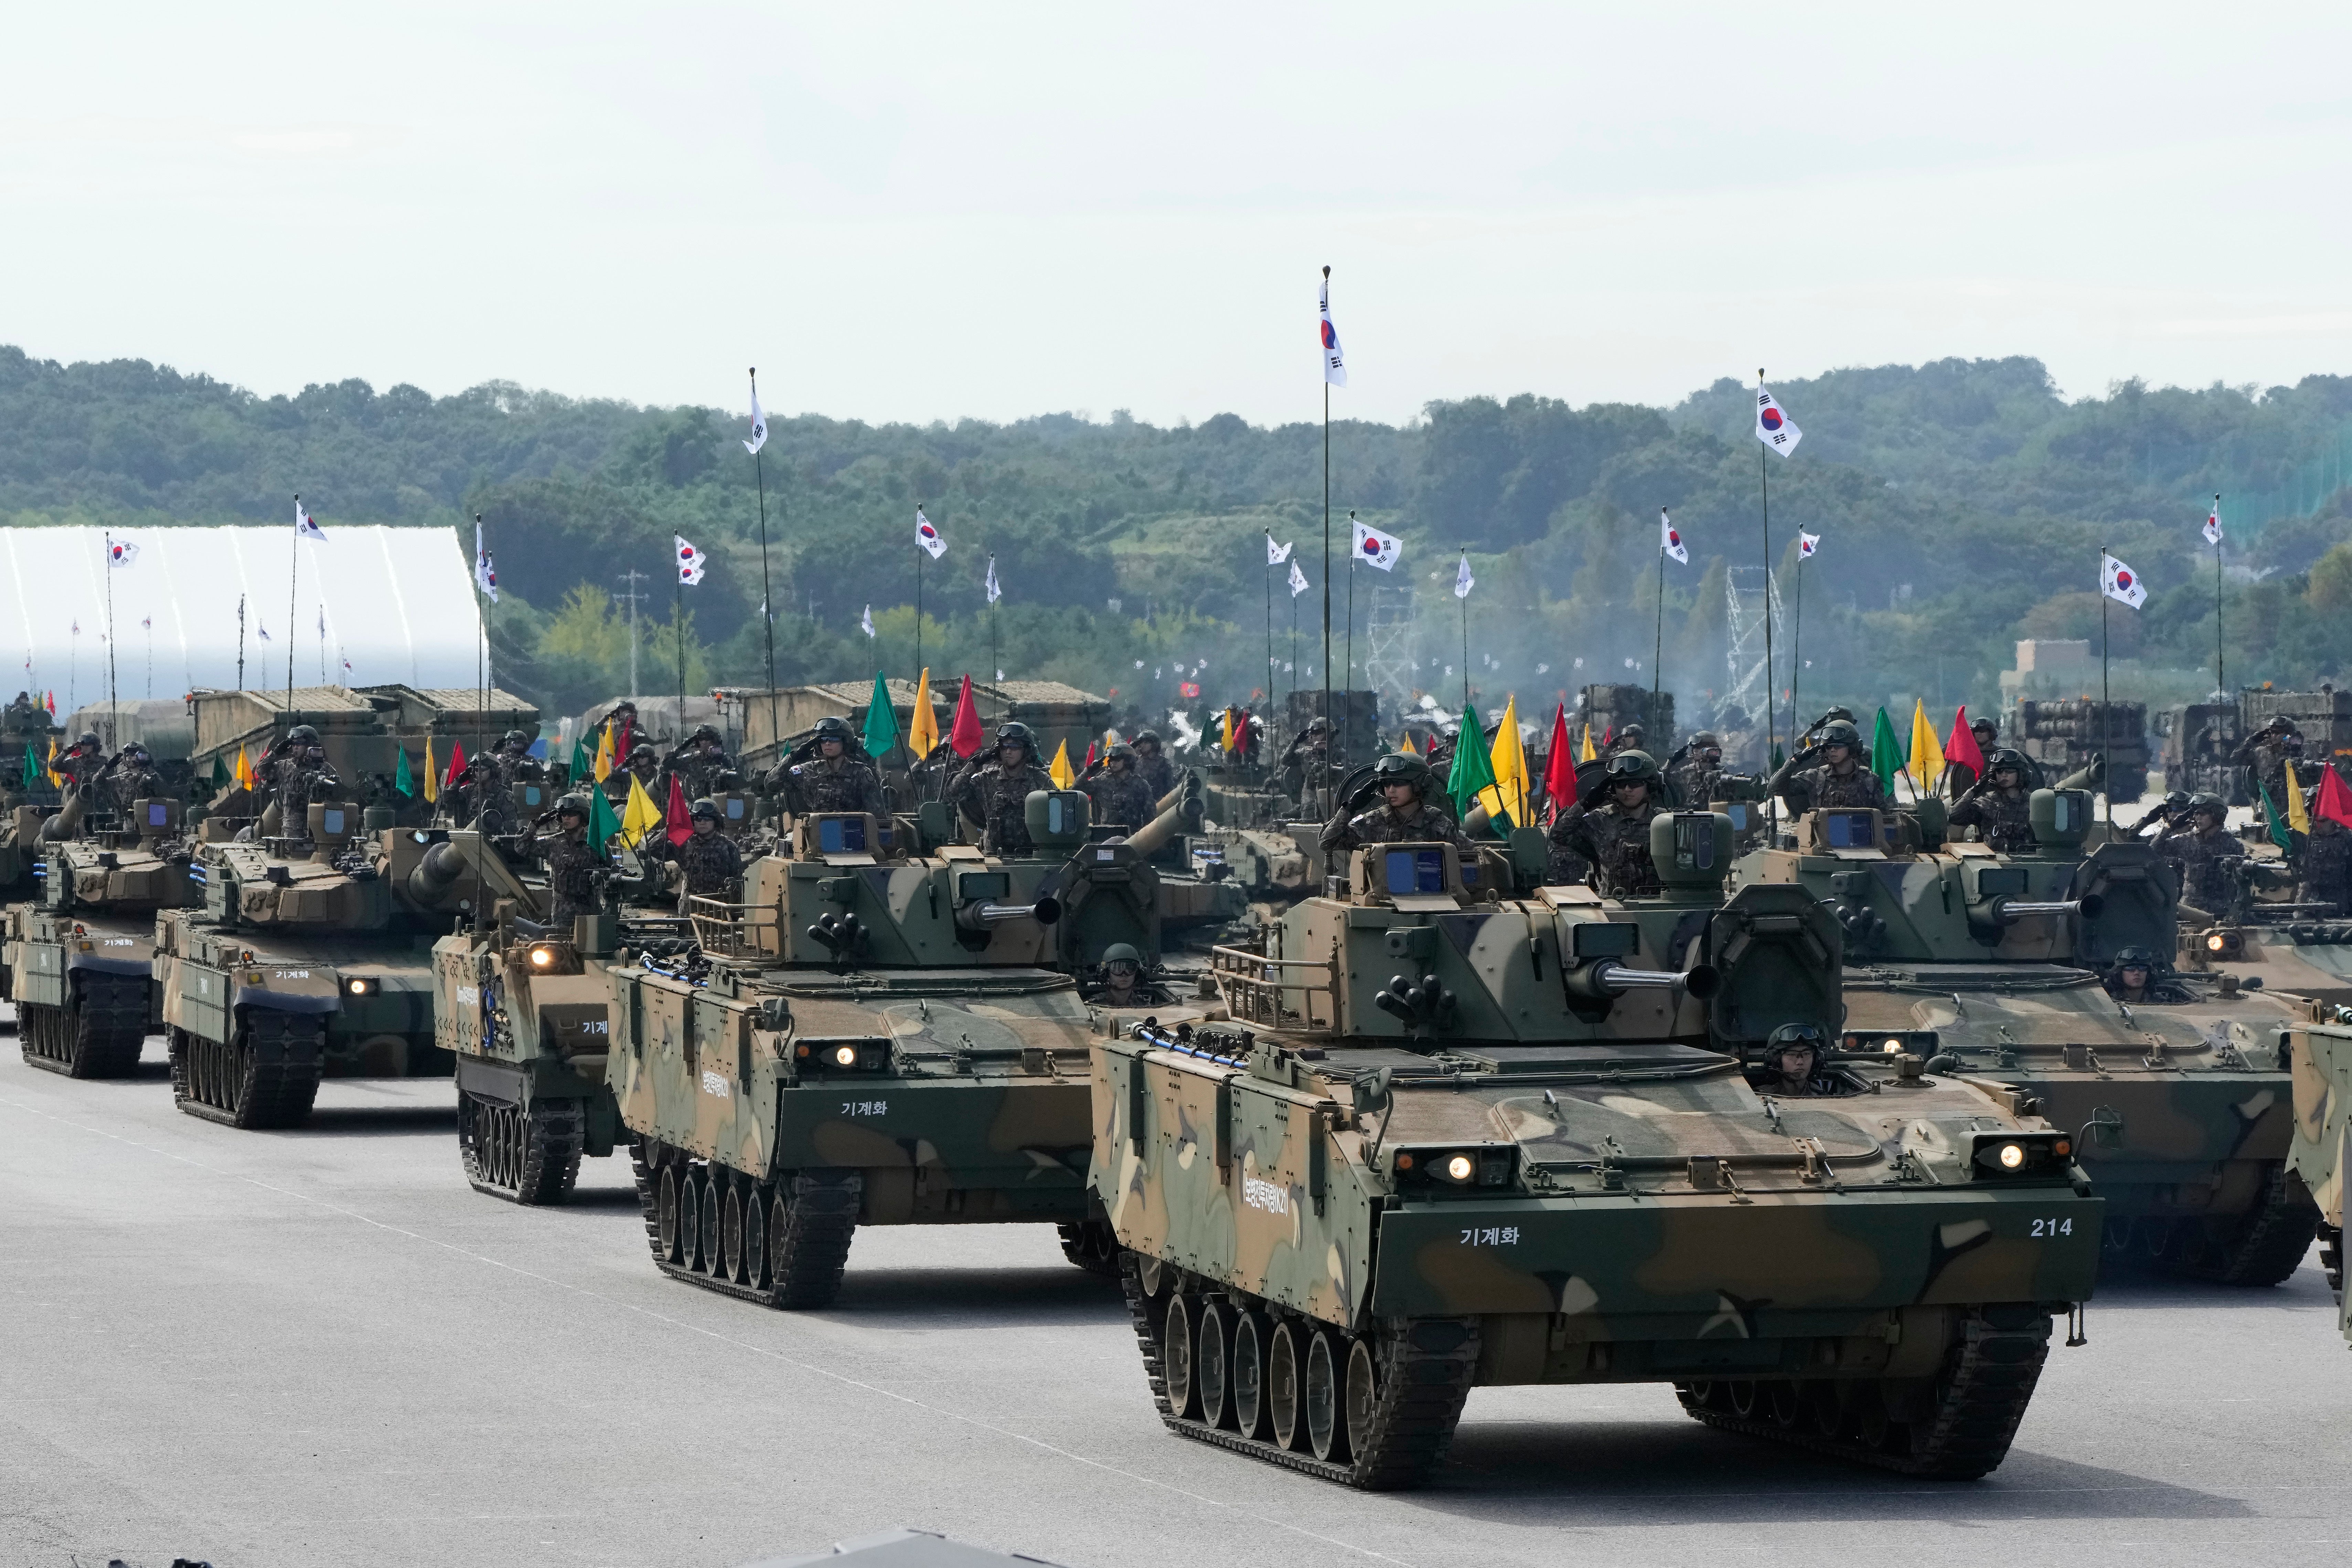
point(513, 738)
point(2011, 759)
point(1707, 741)
point(1631, 767)
point(706, 807)
point(2206, 800)
point(573, 804)
point(2137, 958)
point(1121, 749)
point(1840, 732)
point(704, 732)
point(1401, 768)
point(1150, 735)
point(300, 735)
point(1121, 953)
point(833, 726)
point(1016, 733)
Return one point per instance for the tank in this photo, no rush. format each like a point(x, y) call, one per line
point(79, 961)
point(2321, 1049)
point(867, 1038)
point(1993, 964)
point(299, 967)
point(1451, 1131)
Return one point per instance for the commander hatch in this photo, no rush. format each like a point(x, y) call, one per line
point(1416, 878)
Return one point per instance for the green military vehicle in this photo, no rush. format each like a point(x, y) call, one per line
point(79, 963)
point(867, 1038)
point(2322, 1056)
point(297, 967)
point(1455, 1130)
point(1993, 964)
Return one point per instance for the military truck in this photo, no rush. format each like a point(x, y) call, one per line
point(1993, 965)
point(2321, 1048)
point(79, 962)
point(875, 1035)
point(1455, 1130)
point(298, 965)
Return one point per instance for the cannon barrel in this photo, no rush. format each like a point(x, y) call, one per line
point(1186, 787)
point(2004, 910)
point(1605, 979)
point(1173, 818)
point(441, 868)
point(981, 917)
point(67, 822)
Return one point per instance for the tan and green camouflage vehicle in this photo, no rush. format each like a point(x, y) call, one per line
point(866, 1039)
point(2322, 1054)
point(1451, 1133)
point(302, 966)
point(80, 962)
point(1992, 964)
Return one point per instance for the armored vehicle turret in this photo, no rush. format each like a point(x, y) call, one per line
point(2321, 1057)
point(1452, 1131)
point(1999, 964)
point(80, 960)
point(868, 1038)
point(313, 956)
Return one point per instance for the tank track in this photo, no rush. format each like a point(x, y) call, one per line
point(528, 1155)
point(101, 1035)
point(1425, 1370)
point(791, 1258)
point(2261, 1247)
point(2331, 1257)
point(1091, 1245)
point(234, 1085)
point(1968, 1414)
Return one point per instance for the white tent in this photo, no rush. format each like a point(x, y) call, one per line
point(371, 606)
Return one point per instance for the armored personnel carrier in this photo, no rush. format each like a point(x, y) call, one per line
point(1993, 965)
point(1456, 1131)
point(298, 965)
point(2321, 1049)
point(81, 961)
point(869, 1038)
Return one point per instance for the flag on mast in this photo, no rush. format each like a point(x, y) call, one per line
point(303, 527)
point(928, 536)
point(1670, 539)
point(1806, 545)
point(1374, 548)
point(486, 571)
point(758, 424)
point(121, 552)
point(1463, 581)
point(2213, 522)
point(1335, 364)
point(1773, 427)
point(1297, 581)
point(2120, 583)
point(996, 589)
point(689, 562)
point(865, 622)
point(1275, 554)
point(923, 725)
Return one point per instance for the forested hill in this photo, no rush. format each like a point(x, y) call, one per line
point(1961, 505)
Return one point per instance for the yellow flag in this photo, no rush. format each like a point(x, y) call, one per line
point(640, 815)
point(1060, 770)
point(432, 774)
point(923, 733)
point(1406, 743)
point(602, 767)
point(57, 780)
point(1926, 763)
point(1587, 752)
point(1507, 796)
point(2298, 815)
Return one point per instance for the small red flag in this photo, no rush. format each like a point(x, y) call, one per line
point(2335, 800)
point(1962, 747)
point(1608, 734)
point(1560, 762)
point(676, 824)
point(964, 736)
point(1090, 757)
point(456, 763)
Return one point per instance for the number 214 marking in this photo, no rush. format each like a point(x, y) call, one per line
point(2046, 1227)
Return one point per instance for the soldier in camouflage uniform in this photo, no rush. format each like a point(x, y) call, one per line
point(1151, 765)
point(82, 763)
point(1959, 777)
point(642, 765)
point(1123, 982)
point(301, 775)
point(1632, 738)
point(130, 777)
point(2140, 979)
point(1404, 816)
point(1121, 798)
point(994, 790)
point(2327, 869)
point(1306, 770)
point(1609, 829)
point(712, 864)
point(1830, 773)
point(1699, 777)
point(2265, 755)
point(1997, 806)
point(836, 779)
point(697, 764)
point(572, 863)
point(2201, 850)
point(1792, 1063)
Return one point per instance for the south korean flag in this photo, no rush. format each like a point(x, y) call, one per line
point(1806, 545)
point(1298, 585)
point(1275, 554)
point(689, 562)
point(1773, 427)
point(2120, 583)
point(1374, 548)
point(928, 536)
point(1670, 539)
point(2213, 524)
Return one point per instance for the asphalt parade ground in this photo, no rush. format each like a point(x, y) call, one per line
point(305, 1349)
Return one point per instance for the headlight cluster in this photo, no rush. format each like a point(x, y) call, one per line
point(1478, 1165)
point(360, 985)
point(2225, 944)
point(1889, 1042)
point(2002, 1155)
point(842, 1055)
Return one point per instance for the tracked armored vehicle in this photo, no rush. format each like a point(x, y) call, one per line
point(2322, 1054)
point(866, 1039)
point(298, 965)
point(1990, 963)
point(1458, 1132)
point(81, 961)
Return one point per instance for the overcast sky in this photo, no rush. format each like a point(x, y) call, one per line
point(917, 213)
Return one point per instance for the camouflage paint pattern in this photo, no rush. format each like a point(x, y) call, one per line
point(526, 1020)
point(2323, 1129)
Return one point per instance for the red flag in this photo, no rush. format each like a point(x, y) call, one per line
point(1608, 734)
point(2334, 801)
point(1560, 762)
point(678, 825)
point(1090, 757)
point(1962, 747)
point(457, 764)
point(964, 736)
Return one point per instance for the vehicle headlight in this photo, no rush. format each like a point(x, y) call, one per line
point(541, 957)
point(2214, 943)
point(845, 1056)
point(2012, 1155)
point(1460, 1168)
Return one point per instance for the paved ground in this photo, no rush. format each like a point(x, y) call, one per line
point(322, 1348)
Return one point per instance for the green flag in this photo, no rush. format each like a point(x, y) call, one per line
point(583, 765)
point(1778, 756)
point(2280, 834)
point(401, 779)
point(1885, 752)
point(603, 823)
point(33, 769)
point(881, 725)
point(1472, 769)
point(220, 772)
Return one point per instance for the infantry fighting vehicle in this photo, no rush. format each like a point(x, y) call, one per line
point(79, 962)
point(1455, 1132)
point(1993, 965)
point(300, 965)
point(869, 1038)
point(2322, 1054)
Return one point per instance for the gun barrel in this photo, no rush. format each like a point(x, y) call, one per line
point(2009, 912)
point(1173, 818)
point(981, 917)
point(1605, 978)
point(440, 870)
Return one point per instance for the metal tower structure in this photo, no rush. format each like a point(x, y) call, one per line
point(1748, 591)
point(1389, 631)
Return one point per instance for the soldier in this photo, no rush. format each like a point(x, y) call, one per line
point(839, 777)
point(1151, 766)
point(2327, 869)
point(574, 866)
point(1305, 770)
point(643, 766)
point(301, 774)
point(2265, 755)
point(1837, 777)
point(2202, 850)
point(698, 763)
point(1609, 829)
point(1632, 738)
point(1959, 777)
point(1812, 736)
point(994, 790)
point(82, 762)
point(1997, 806)
point(2140, 979)
point(1699, 777)
point(514, 758)
point(1123, 983)
point(710, 865)
point(23, 714)
point(1403, 815)
point(1121, 798)
point(130, 777)
point(1792, 1063)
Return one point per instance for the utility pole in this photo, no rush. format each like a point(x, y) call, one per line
point(632, 596)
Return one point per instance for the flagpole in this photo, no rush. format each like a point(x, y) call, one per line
point(677, 629)
point(1466, 654)
point(240, 642)
point(1327, 562)
point(1658, 645)
point(482, 659)
point(2104, 725)
point(767, 594)
point(1764, 482)
point(1797, 643)
point(920, 553)
point(2219, 687)
point(293, 576)
point(1269, 622)
point(1348, 734)
point(996, 658)
point(113, 708)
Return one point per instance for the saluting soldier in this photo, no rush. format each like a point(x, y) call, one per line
point(2203, 851)
point(1121, 798)
point(1609, 829)
point(994, 787)
point(1404, 815)
point(839, 777)
point(1997, 806)
point(1830, 773)
point(572, 863)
